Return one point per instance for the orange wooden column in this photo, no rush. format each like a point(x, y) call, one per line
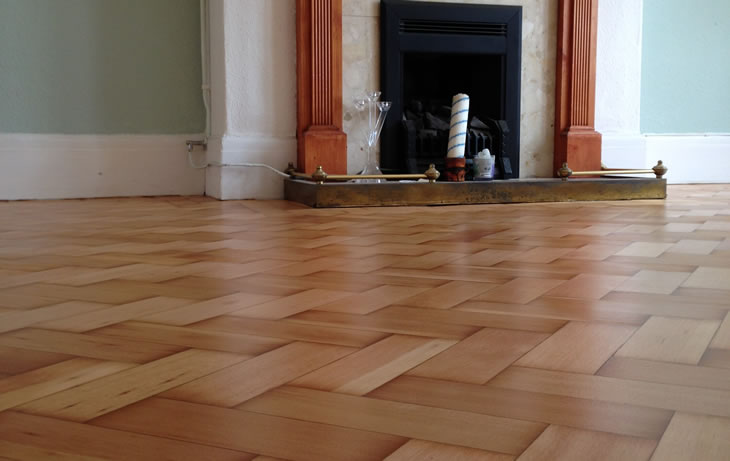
point(576, 140)
point(321, 140)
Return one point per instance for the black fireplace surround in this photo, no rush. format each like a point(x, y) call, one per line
point(432, 51)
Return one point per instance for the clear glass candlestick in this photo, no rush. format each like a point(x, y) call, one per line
point(375, 111)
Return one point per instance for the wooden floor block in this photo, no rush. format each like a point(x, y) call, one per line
point(578, 347)
point(666, 396)
point(595, 251)
point(570, 444)
point(192, 337)
point(10, 451)
point(371, 300)
point(448, 295)
point(519, 291)
point(406, 325)
point(670, 340)
point(694, 247)
point(365, 370)
point(588, 286)
point(291, 331)
point(419, 450)
point(715, 278)
point(26, 387)
point(654, 282)
point(561, 309)
point(468, 314)
point(413, 421)
point(646, 249)
point(116, 314)
point(695, 437)
point(94, 347)
point(236, 384)
point(617, 418)
point(16, 320)
point(15, 361)
point(667, 373)
point(206, 309)
point(251, 432)
point(540, 255)
point(719, 358)
point(43, 435)
point(722, 336)
point(480, 357)
point(104, 395)
point(284, 307)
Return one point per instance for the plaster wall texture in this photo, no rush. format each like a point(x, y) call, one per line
point(253, 84)
point(260, 67)
point(618, 67)
point(361, 58)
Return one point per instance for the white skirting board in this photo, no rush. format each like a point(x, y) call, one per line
point(49, 166)
point(690, 158)
point(237, 182)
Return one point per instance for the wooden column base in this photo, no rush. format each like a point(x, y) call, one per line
point(580, 149)
point(325, 148)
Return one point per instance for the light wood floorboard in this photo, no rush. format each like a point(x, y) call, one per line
point(184, 328)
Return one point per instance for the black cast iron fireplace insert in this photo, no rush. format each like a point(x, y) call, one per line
point(432, 51)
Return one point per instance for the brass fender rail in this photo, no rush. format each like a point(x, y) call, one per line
point(320, 176)
point(565, 172)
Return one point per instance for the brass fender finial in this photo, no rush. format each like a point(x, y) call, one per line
point(564, 173)
point(660, 170)
point(432, 173)
point(319, 176)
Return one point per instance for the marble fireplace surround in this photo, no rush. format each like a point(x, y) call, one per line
point(338, 56)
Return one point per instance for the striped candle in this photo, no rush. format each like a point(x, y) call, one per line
point(459, 123)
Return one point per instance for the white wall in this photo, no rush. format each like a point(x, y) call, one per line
point(618, 83)
point(690, 158)
point(253, 75)
point(53, 166)
point(618, 67)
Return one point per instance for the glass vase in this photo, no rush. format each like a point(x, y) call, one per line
point(375, 111)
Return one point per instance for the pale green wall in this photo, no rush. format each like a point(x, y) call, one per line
point(100, 66)
point(686, 67)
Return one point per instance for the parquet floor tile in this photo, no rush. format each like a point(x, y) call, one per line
point(183, 328)
point(480, 357)
point(419, 450)
point(659, 282)
point(233, 385)
point(521, 290)
point(570, 444)
point(695, 437)
point(503, 435)
point(671, 340)
point(288, 438)
point(617, 418)
point(369, 368)
point(34, 435)
point(578, 347)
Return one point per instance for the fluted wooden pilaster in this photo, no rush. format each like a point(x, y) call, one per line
point(321, 140)
point(576, 140)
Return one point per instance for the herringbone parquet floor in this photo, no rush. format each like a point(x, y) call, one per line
point(190, 329)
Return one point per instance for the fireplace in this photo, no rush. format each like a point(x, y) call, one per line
point(432, 51)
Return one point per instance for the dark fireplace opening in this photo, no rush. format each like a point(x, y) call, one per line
point(432, 51)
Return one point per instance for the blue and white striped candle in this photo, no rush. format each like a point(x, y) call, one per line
point(459, 125)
